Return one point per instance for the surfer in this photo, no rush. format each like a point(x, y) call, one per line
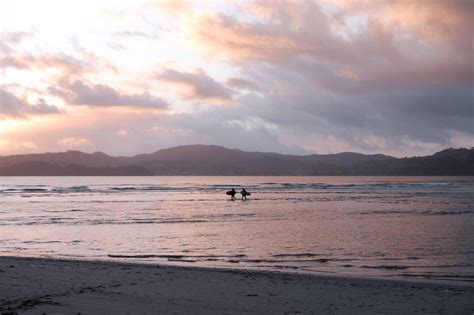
point(231, 193)
point(244, 194)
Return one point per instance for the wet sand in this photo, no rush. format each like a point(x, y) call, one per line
point(36, 286)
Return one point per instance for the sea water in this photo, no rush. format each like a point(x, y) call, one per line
point(412, 227)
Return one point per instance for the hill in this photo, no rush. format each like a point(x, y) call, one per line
point(216, 160)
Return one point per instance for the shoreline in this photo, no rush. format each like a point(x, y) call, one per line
point(45, 285)
point(290, 272)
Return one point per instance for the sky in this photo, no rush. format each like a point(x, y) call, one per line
point(297, 77)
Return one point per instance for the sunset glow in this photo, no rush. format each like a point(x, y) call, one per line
point(127, 77)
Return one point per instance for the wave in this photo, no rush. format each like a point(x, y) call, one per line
point(232, 259)
point(387, 267)
point(81, 221)
point(466, 278)
point(416, 213)
point(260, 187)
point(258, 261)
point(34, 190)
point(175, 257)
point(146, 256)
point(51, 242)
point(72, 189)
point(401, 258)
point(296, 255)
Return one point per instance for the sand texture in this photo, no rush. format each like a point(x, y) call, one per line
point(36, 286)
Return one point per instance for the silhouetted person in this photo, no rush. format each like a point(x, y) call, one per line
point(244, 194)
point(231, 193)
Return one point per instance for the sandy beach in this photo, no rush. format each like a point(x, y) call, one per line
point(31, 285)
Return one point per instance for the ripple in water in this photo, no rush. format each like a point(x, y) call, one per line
point(379, 226)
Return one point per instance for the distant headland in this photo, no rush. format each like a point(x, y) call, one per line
point(216, 160)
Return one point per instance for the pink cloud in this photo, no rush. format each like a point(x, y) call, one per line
point(15, 107)
point(403, 43)
point(198, 84)
point(81, 93)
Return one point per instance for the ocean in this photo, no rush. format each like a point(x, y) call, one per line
point(390, 227)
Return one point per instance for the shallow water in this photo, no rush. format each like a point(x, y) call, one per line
point(366, 226)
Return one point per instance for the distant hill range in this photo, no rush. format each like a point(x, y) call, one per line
point(215, 160)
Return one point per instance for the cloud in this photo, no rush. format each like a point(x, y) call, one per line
point(304, 122)
point(198, 84)
point(80, 93)
point(172, 7)
point(10, 105)
point(391, 76)
point(14, 107)
point(42, 108)
point(364, 76)
point(149, 131)
point(16, 37)
point(419, 17)
point(275, 33)
point(73, 142)
point(400, 44)
point(63, 62)
point(130, 33)
point(242, 84)
point(348, 74)
point(415, 121)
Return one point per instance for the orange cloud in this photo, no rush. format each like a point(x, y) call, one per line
point(172, 7)
point(348, 74)
point(449, 22)
point(221, 35)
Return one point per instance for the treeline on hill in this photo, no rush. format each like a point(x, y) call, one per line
point(49, 169)
point(215, 160)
